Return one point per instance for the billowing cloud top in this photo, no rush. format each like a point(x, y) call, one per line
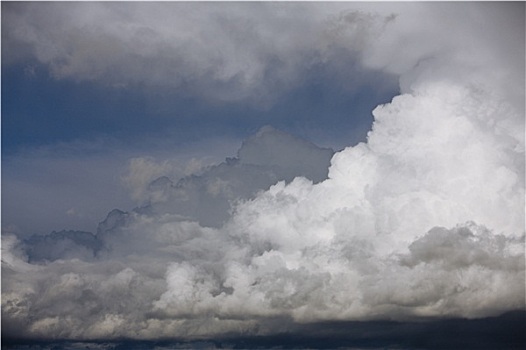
point(425, 219)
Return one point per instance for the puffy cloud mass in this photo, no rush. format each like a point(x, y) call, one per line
point(425, 219)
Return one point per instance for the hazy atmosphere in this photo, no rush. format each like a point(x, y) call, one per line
point(196, 171)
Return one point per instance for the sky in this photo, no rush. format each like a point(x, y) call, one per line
point(196, 170)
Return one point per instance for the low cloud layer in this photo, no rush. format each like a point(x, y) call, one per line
point(425, 219)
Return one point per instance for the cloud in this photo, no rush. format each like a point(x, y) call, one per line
point(245, 51)
point(449, 247)
point(425, 219)
point(486, 51)
point(82, 181)
point(231, 52)
point(146, 177)
point(62, 245)
point(263, 159)
point(299, 251)
point(215, 285)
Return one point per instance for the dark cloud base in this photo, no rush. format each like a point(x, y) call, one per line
point(502, 332)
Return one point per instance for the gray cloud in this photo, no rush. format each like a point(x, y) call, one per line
point(62, 245)
point(251, 51)
point(215, 283)
point(263, 159)
point(425, 219)
point(219, 51)
point(81, 181)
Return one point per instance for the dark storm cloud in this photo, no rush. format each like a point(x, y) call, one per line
point(490, 333)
